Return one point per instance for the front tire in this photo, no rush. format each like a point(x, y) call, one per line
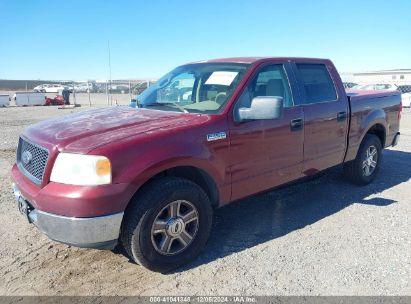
point(167, 224)
point(364, 168)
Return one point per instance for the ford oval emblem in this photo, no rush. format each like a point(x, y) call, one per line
point(26, 157)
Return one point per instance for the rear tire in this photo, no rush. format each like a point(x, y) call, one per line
point(364, 168)
point(167, 224)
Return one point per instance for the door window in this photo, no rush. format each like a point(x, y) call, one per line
point(317, 83)
point(269, 81)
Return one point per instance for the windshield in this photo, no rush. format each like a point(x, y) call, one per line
point(194, 88)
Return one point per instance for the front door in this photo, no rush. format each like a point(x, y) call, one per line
point(266, 153)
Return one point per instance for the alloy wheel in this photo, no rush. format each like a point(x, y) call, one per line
point(370, 161)
point(174, 227)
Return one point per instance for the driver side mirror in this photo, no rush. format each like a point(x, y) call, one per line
point(262, 107)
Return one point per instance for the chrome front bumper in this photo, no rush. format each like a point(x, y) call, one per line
point(100, 232)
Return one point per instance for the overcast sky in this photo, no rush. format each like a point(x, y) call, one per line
point(68, 39)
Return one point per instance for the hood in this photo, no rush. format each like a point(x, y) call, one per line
point(81, 132)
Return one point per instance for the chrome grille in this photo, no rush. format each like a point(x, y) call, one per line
point(32, 160)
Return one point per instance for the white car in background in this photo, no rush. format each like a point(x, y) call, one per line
point(375, 87)
point(404, 89)
point(55, 88)
point(83, 87)
point(405, 95)
point(406, 100)
point(41, 88)
point(49, 88)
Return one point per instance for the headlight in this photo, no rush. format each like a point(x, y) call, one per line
point(82, 170)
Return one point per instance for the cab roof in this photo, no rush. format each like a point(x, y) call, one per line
point(251, 60)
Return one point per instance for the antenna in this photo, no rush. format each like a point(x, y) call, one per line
point(109, 68)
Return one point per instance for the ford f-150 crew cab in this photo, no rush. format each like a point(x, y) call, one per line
point(206, 134)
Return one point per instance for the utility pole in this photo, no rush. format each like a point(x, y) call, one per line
point(129, 89)
point(74, 93)
point(88, 90)
point(108, 99)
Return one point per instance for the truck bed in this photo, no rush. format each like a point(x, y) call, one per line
point(377, 106)
point(355, 95)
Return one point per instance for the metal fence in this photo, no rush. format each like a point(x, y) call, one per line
point(81, 92)
point(105, 93)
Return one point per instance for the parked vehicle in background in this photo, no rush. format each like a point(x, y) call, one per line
point(55, 88)
point(49, 88)
point(140, 87)
point(82, 88)
point(375, 87)
point(40, 88)
point(150, 177)
point(119, 88)
point(100, 87)
point(406, 100)
point(349, 85)
point(404, 89)
point(115, 88)
point(405, 95)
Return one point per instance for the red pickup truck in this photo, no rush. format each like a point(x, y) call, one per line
point(206, 134)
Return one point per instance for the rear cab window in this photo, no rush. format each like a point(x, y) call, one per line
point(317, 83)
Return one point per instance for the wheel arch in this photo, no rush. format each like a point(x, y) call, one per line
point(197, 176)
point(375, 122)
point(192, 173)
point(379, 130)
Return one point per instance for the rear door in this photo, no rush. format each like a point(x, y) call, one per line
point(325, 115)
point(267, 153)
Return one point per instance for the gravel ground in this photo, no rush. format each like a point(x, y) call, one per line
point(322, 237)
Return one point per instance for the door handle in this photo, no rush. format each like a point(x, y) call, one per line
point(341, 116)
point(296, 124)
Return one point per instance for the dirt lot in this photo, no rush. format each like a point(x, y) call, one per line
point(322, 237)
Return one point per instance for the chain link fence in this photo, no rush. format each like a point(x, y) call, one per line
point(116, 92)
point(92, 93)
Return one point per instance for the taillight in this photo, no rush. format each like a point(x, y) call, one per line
point(399, 112)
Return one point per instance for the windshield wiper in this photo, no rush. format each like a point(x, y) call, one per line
point(168, 103)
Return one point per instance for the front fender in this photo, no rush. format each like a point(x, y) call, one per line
point(140, 161)
point(143, 173)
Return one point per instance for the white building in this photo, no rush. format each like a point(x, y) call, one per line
point(398, 77)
